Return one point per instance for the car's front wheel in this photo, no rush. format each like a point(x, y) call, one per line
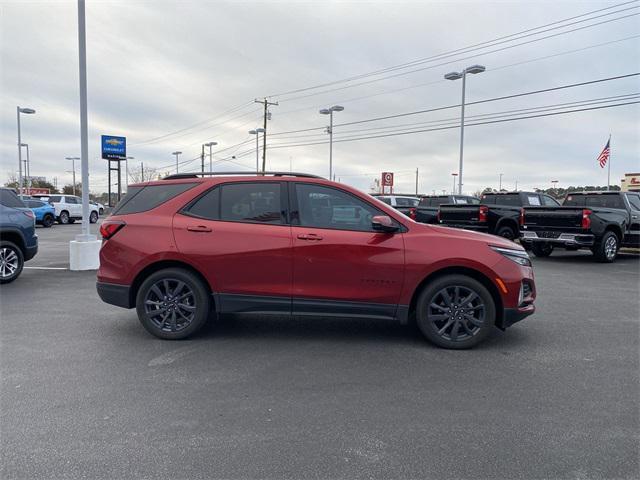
point(173, 304)
point(47, 220)
point(11, 261)
point(455, 311)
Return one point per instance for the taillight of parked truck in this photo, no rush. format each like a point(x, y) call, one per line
point(521, 218)
point(586, 219)
point(412, 213)
point(483, 213)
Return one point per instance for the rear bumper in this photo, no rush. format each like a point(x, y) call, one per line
point(118, 295)
point(30, 252)
point(514, 315)
point(574, 239)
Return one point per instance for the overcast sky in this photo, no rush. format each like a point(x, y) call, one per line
point(158, 67)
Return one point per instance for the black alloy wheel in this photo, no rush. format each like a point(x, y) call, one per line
point(455, 311)
point(47, 220)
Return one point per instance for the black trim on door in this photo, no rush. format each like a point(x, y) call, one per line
point(340, 308)
point(239, 303)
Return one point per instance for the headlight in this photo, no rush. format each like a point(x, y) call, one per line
point(519, 256)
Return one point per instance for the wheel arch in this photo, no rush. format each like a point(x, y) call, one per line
point(617, 230)
point(460, 270)
point(511, 223)
point(13, 236)
point(161, 265)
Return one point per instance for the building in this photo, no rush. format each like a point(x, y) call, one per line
point(630, 182)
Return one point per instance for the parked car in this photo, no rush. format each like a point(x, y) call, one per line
point(69, 208)
point(181, 248)
point(427, 209)
point(403, 203)
point(44, 212)
point(18, 239)
point(498, 213)
point(600, 221)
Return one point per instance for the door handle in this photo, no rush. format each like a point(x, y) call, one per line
point(309, 236)
point(199, 228)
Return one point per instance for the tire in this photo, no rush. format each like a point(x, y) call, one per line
point(434, 316)
point(72, 220)
point(63, 218)
point(165, 318)
point(526, 244)
point(47, 220)
point(507, 232)
point(542, 250)
point(11, 261)
point(101, 211)
point(607, 249)
point(93, 217)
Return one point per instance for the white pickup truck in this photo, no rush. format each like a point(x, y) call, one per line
point(69, 208)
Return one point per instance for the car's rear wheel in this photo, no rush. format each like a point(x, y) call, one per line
point(64, 217)
point(542, 249)
point(11, 261)
point(47, 220)
point(173, 304)
point(101, 211)
point(93, 217)
point(607, 249)
point(507, 232)
point(455, 311)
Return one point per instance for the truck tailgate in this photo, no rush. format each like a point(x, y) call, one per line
point(553, 218)
point(459, 214)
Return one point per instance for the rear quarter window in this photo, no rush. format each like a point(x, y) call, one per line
point(10, 199)
point(142, 199)
point(604, 201)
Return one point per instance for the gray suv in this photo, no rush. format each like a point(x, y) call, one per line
point(18, 239)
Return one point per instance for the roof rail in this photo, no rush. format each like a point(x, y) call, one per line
point(211, 174)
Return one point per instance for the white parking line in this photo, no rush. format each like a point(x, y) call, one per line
point(47, 268)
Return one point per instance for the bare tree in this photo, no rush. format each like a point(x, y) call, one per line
point(137, 175)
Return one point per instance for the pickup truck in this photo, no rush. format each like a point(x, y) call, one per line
point(498, 213)
point(427, 209)
point(600, 221)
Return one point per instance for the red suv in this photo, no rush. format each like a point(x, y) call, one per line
point(190, 245)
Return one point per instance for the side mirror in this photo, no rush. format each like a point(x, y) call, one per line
point(383, 223)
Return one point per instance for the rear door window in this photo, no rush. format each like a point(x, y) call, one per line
point(206, 206)
point(142, 199)
point(252, 202)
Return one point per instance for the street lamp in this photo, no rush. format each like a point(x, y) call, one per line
point(73, 165)
point(256, 132)
point(210, 144)
point(329, 111)
point(177, 154)
point(500, 184)
point(455, 76)
point(454, 175)
point(27, 169)
point(26, 111)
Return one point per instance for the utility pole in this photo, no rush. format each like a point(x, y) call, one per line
point(264, 135)
point(416, 182)
point(202, 158)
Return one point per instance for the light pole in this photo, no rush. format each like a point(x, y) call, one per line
point(27, 168)
point(455, 76)
point(553, 185)
point(210, 144)
point(454, 175)
point(177, 154)
point(329, 111)
point(26, 111)
point(500, 184)
point(257, 132)
point(73, 164)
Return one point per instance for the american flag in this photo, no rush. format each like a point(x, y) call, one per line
point(604, 155)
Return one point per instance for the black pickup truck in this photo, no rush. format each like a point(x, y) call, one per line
point(498, 213)
point(427, 209)
point(600, 221)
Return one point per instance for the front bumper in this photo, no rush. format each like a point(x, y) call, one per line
point(572, 239)
point(514, 315)
point(118, 295)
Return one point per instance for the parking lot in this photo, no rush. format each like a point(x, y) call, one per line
point(87, 392)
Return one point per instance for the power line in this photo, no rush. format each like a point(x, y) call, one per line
point(479, 46)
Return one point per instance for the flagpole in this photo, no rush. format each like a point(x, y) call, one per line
point(609, 166)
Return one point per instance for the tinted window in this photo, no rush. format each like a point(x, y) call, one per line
point(34, 203)
point(574, 201)
point(54, 199)
point(251, 202)
point(604, 201)
point(634, 201)
point(508, 200)
point(150, 196)
point(473, 200)
point(324, 207)
point(10, 199)
point(436, 202)
point(406, 202)
point(549, 202)
point(71, 200)
point(207, 206)
point(488, 199)
point(386, 200)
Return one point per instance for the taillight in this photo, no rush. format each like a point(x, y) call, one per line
point(483, 213)
point(521, 216)
point(28, 213)
point(412, 213)
point(110, 227)
point(586, 219)
point(438, 216)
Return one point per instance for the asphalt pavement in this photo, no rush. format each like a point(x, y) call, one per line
point(87, 393)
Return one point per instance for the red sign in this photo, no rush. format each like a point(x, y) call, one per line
point(36, 191)
point(387, 179)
